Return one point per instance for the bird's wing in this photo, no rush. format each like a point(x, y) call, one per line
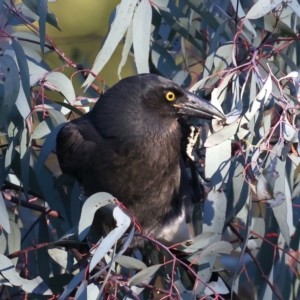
point(74, 144)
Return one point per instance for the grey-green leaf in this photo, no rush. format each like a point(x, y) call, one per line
point(141, 35)
point(4, 220)
point(124, 16)
point(36, 285)
point(11, 86)
point(123, 222)
point(261, 8)
point(90, 206)
point(144, 276)
point(63, 84)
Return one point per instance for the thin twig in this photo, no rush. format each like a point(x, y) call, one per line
point(247, 250)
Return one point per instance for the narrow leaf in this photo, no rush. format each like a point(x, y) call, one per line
point(4, 220)
point(42, 7)
point(90, 206)
point(73, 283)
point(261, 8)
point(141, 35)
point(124, 16)
point(123, 222)
point(36, 285)
point(144, 275)
point(63, 84)
point(11, 86)
point(23, 66)
point(126, 49)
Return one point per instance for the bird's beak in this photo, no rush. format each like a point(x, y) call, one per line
point(198, 107)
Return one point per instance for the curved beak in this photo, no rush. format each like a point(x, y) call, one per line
point(198, 107)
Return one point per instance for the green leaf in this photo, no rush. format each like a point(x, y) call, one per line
point(163, 60)
point(24, 70)
point(222, 135)
point(141, 35)
point(144, 276)
point(241, 15)
point(14, 240)
point(48, 146)
point(214, 217)
point(63, 84)
point(172, 18)
point(220, 247)
point(3, 241)
point(36, 285)
point(11, 87)
point(72, 284)
point(4, 220)
point(218, 159)
point(202, 10)
point(42, 129)
point(32, 5)
point(42, 7)
point(272, 24)
point(42, 255)
point(258, 101)
point(23, 105)
point(25, 151)
point(130, 263)
point(199, 242)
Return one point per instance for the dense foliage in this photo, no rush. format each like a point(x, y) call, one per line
point(243, 55)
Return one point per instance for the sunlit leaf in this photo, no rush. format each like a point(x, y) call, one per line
point(216, 287)
point(124, 16)
point(63, 84)
point(260, 8)
point(123, 222)
point(36, 285)
point(141, 35)
point(217, 164)
point(4, 220)
point(91, 205)
point(126, 49)
point(222, 135)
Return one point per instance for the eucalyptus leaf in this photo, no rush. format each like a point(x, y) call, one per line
point(36, 285)
point(123, 222)
point(124, 16)
point(141, 35)
point(144, 276)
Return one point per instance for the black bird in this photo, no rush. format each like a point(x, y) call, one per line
point(129, 146)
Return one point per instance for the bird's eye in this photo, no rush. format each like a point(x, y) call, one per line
point(170, 96)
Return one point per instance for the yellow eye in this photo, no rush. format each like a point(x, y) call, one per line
point(170, 96)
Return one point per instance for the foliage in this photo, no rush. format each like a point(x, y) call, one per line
point(243, 55)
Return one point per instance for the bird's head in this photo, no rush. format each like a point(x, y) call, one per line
point(166, 98)
point(147, 102)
